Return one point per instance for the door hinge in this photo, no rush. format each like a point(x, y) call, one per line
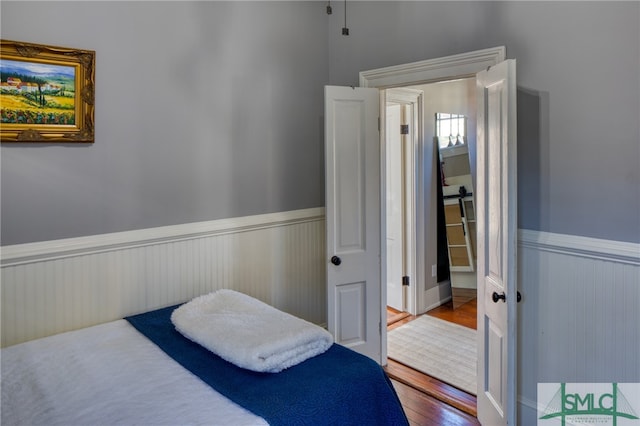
point(404, 129)
point(380, 328)
point(405, 280)
point(378, 123)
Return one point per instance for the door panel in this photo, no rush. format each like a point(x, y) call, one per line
point(352, 160)
point(496, 239)
point(403, 109)
point(351, 313)
point(395, 211)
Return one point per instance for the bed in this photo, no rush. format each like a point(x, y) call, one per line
point(142, 370)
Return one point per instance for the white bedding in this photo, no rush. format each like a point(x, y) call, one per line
point(107, 375)
point(249, 333)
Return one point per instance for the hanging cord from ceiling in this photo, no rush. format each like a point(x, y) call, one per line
point(345, 30)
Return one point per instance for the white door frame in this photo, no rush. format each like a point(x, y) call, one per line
point(501, 342)
point(423, 72)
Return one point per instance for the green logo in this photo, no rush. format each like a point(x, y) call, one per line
point(587, 404)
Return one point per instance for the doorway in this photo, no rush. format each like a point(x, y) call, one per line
point(452, 96)
point(413, 194)
point(496, 168)
point(425, 291)
point(496, 217)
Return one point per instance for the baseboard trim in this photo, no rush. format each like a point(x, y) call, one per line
point(527, 404)
point(57, 249)
point(432, 295)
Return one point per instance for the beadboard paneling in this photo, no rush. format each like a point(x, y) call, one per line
point(579, 318)
point(56, 286)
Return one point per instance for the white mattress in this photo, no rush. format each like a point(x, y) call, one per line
point(109, 375)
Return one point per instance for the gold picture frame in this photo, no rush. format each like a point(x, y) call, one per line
point(46, 94)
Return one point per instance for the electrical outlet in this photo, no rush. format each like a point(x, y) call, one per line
point(434, 270)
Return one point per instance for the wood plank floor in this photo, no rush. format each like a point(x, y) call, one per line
point(424, 410)
point(426, 400)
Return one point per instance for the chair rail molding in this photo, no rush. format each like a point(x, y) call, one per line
point(616, 251)
point(51, 287)
point(55, 249)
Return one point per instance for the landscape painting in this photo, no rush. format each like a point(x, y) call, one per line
point(46, 93)
point(36, 93)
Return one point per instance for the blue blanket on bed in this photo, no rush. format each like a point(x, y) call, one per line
point(339, 387)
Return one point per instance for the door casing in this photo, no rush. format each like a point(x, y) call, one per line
point(431, 71)
point(412, 74)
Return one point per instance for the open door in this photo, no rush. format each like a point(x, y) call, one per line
point(353, 211)
point(497, 233)
point(402, 131)
point(395, 207)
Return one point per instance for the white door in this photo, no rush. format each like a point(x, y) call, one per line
point(353, 210)
point(496, 242)
point(395, 203)
point(402, 108)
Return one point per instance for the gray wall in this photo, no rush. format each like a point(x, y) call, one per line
point(208, 110)
point(204, 110)
point(578, 76)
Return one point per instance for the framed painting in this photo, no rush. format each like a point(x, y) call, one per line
point(46, 93)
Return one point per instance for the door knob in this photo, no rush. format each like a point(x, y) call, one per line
point(495, 296)
point(336, 260)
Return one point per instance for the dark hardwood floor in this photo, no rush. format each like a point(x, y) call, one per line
point(424, 410)
point(426, 400)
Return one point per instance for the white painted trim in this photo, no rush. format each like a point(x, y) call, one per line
point(56, 249)
point(415, 73)
point(529, 404)
point(403, 95)
point(615, 251)
point(431, 70)
point(433, 296)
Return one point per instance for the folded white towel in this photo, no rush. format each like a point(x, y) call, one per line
point(248, 332)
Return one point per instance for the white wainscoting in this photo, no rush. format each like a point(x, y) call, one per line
point(55, 286)
point(579, 319)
